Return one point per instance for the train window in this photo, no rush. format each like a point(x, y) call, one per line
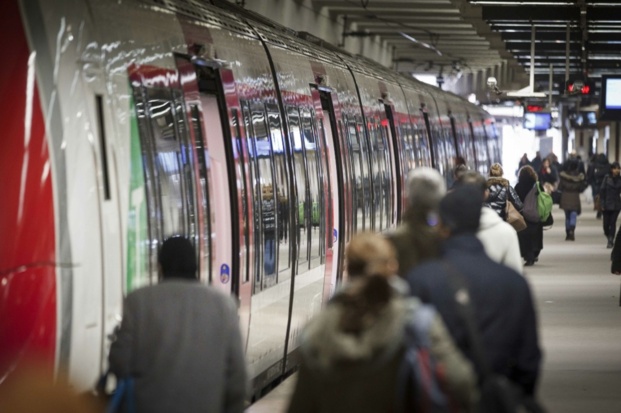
point(283, 198)
point(315, 174)
point(360, 175)
point(376, 172)
point(168, 164)
point(386, 177)
point(302, 207)
point(421, 142)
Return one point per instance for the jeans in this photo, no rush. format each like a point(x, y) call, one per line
point(570, 219)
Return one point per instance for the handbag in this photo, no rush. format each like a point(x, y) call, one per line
point(497, 394)
point(530, 210)
point(514, 218)
point(597, 204)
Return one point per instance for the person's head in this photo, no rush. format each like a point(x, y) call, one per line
point(527, 172)
point(495, 170)
point(460, 210)
point(545, 163)
point(615, 169)
point(459, 170)
point(370, 254)
point(571, 165)
point(424, 189)
point(476, 180)
point(177, 258)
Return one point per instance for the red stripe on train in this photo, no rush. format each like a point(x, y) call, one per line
point(27, 243)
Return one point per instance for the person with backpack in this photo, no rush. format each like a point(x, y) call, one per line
point(502, 302)
point(500, 192)
point(355, 353)
point(531, 239)
point(610, 202)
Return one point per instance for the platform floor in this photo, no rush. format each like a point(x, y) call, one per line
point(580, 323)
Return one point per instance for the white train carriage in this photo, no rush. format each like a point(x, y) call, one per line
point(132, 121)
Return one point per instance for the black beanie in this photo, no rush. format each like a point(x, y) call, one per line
point(177, 258)
point(460, 209)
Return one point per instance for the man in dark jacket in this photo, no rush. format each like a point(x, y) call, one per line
point(598, 169)
point(500, 297)
point(180, 341)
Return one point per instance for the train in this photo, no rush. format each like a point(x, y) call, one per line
point(127, 122)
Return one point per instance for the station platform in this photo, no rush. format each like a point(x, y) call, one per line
point(579, 315)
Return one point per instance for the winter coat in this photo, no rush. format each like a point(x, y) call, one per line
point(343, 372)
point(499, 240)
point(547, 178)
point(181, 343)
point(499, 192)
point(571, 185)
point(597, 171)
point(610, 194)
point(415, 241)
point(531, 238)
point(502, 304)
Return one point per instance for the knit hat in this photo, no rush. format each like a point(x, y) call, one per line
point(425, 188)
point(495, 170)
point(460, 209)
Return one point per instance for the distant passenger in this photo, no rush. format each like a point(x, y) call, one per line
point(500, 192)
point(548, 176)
point(571, 185)
point(416, 239)
point(536, 162)
point(531, 238)
point(597, 170)
point(497, 236)
point(180, 341)
point(523, 161)
point(610, 201)
point(500, 297)
point(458, 172)
point(352, 350)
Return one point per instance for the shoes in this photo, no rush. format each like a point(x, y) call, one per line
point(529, 263)
point(570, 235)
point(610, 243)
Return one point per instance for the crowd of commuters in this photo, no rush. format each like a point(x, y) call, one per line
point(180, 343)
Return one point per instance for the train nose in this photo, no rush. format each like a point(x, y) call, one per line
point(27, 319)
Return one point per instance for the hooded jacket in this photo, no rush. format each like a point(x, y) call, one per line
point(499, 192)
point(610, 193)
point(345, 372)
point(499, 240)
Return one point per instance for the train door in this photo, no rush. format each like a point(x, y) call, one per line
point(397, 165)
point(340, 193)
point(169, 163)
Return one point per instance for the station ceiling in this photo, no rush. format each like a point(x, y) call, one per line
point(448, 36)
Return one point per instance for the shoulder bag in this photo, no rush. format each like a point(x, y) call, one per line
point(513, 217)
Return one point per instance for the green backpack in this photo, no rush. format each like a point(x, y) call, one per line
point(544, 203)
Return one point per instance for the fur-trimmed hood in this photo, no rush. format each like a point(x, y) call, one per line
point(326, 347)
point(496, 180)
point(573, 178)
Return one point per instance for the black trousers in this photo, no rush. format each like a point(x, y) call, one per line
point(610, 222)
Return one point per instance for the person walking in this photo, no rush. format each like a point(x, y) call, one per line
point(500, 192)
point(610, 202)
point(597, 170)
point(572, 183)
point(506, 319)
point(180, 341)
point(548, 176)
point(531, 238)
point(416, 240)
point(497, 236)
point(353, 349)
